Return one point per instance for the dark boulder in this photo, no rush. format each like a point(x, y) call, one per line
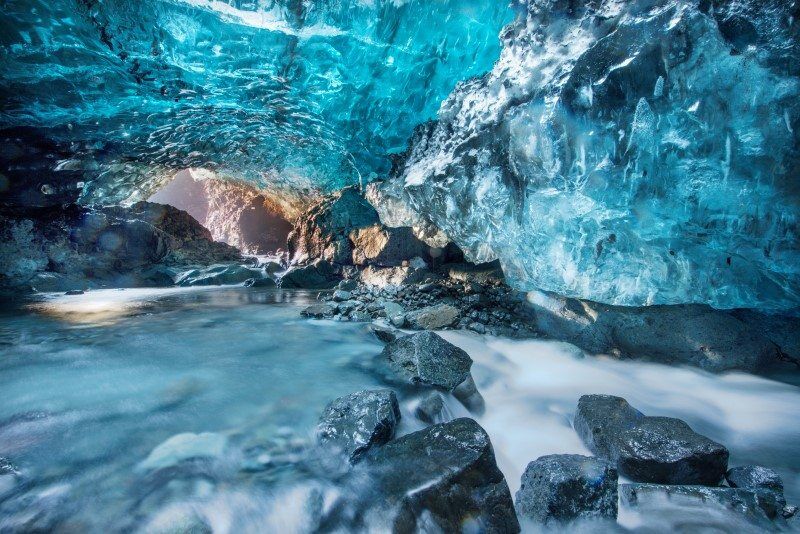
point(756, 477)
point(441, 479)
point(354, 423)
point(260, 282)
point(648, 449)
point(690, 334)
point(317, 275)
point(426, 359)
point(319, 311)
point(565, 487)
point(386, 247)
point(323, 230)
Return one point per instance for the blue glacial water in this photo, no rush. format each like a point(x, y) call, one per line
point(100, 390)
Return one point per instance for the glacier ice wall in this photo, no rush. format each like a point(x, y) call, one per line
point(628, 152)
point(114, 96)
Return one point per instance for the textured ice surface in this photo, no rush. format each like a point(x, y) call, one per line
point(630, 152)
point(298, 94)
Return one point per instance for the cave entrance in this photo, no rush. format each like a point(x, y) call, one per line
point(234, 212)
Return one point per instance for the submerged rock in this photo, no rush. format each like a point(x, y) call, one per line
point(185, 446)
point(441, 479)
point(426, 359)
point(648, 449)
point(354, 423)
point(433, 317)
point(565, 487)
point(759, 510)
point(220, 275)
point(431, 409)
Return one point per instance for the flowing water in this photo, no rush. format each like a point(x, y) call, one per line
point(108, 398)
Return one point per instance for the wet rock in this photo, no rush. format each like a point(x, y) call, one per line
point(441, 479)
point(259, 282)
point(565, 487)
point(431, 409)
point(317, 275)
point(319, 311)
point(756, 477)
point(185, 446)
point(218, 275)
point(386, 247)
point(384, 334)
point(323, 230)
point(714, 340)
point(467, 394)
point(433, 317)
point(755, 508)
point(425, 358)
point(354, 423)
point(648, 449)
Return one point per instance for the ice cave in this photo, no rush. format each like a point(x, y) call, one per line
point(469, 266)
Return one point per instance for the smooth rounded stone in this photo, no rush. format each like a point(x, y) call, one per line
point(259, 282)
point(426, 359)
point(757, 508)
point(431, 409)
point(467, 394)
point(433, 317)
point(398, 321)
point(565, 487)
point(443, 478)
point(185, 446)
point(218, 275)
point(354, 423)
point(393, 310)
point(648, 449)
point(318, 311)
point(317, 275)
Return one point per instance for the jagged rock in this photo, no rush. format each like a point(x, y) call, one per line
point(648, 449)
point(440, 479)
point(433, 317)
point(714, 340)
point(425, 358)
point(757, 508)
point(318, 311)
point(386, 247)
point(260, 282)
point(323, 230)
point(431, 409)
point(756, 477)
point(354, 423)
point(384, 334)
point(392, 276)
point(341, 295)
point(116, 246)
point(218, 275)
point(565, 487)
point(318, 275)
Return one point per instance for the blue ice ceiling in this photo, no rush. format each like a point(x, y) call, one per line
point(309, 94)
